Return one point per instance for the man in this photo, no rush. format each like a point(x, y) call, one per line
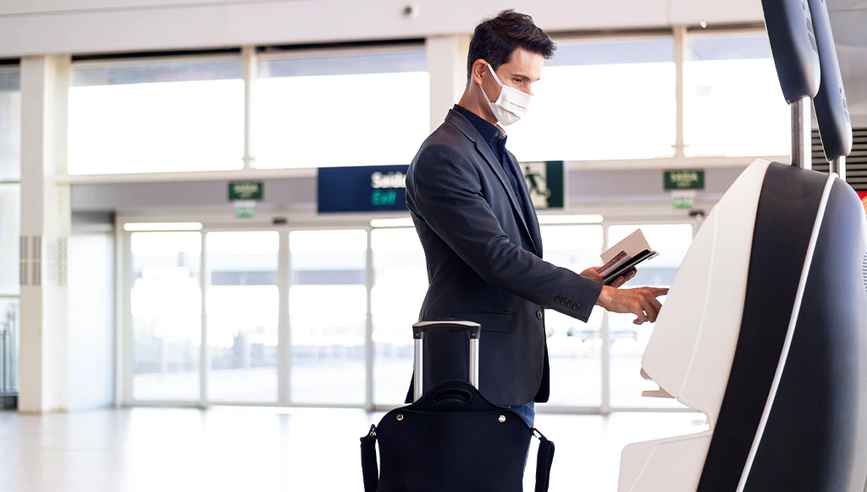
point(480, 234)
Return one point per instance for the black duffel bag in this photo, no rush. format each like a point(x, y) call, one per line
point(452, 440)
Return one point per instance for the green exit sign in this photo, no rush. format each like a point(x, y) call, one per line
point(685, 179)
point(246, 190)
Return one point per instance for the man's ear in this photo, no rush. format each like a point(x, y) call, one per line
point(479, 68)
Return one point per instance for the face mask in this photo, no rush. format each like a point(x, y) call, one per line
point(512, 103)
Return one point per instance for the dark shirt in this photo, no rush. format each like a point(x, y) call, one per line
point(497, 141)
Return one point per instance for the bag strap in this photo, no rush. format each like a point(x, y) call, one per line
point(544, 460)
point(369, 467)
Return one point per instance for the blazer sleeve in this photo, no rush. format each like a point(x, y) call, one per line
point(446, 189)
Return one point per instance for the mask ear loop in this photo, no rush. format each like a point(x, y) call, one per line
point(496, 79)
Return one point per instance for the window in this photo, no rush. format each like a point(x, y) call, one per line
point(10, 172)
point(10, 231)
point(9, 345)
point(340, 109)
point(601, 99)
point(10, 124)
point(156, 116)
point(733, 105)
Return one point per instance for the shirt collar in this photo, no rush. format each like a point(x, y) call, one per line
point(492, 134)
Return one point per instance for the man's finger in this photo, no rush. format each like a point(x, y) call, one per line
point(592, 273)
point(657, 291)
point(649, 310)
point(640, 311)
point(649, 297)
point(626, 277)
point(657, 307)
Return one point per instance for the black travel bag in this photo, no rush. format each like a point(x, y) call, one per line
point(451, 438)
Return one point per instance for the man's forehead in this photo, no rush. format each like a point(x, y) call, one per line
point(525, 63)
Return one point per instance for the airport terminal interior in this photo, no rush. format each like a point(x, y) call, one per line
point(208, 274)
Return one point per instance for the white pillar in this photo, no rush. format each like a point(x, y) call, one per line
point(680, 57)
point(447, 66)
point(45, 229)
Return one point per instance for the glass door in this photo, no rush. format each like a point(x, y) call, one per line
point(328, 305)
point(242, 312)
point(399, 285)
point(166, 306)
point(574, 347)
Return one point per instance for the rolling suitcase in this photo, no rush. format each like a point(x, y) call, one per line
point(451, 438)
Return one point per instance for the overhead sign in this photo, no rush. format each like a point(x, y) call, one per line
point(685, 179)
point(246, 190)
point(361, 189)
point(383, 188)
point(244, 195)
point(546, 183)
point(684, 200)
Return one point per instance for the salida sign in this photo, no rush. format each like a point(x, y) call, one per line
point(362, 189)
point(383, 188)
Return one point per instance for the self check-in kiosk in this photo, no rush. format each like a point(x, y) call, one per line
point(764, 329)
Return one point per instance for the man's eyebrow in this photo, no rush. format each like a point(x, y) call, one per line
point(525, 77)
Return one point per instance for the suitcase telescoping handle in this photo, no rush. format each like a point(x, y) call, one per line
point(418, 331)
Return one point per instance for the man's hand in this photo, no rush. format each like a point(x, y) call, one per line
point(593, 274)
point(640, 302)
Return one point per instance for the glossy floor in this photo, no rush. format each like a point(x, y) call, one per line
point(264, 450)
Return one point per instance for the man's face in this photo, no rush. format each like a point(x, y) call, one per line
point(522, 70)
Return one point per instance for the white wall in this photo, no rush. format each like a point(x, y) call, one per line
point(30, 27)
point(91, 321)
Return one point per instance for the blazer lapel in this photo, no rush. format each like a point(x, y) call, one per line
point(531, 218)
point(483, 148)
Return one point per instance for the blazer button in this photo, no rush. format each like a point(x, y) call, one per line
point(539, 314)
point(558, 299)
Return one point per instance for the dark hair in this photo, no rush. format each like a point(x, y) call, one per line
point(494, 40)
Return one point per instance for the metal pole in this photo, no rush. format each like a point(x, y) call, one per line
point(368, 326)
point(838, 166)
point(680, 56)
point(3, 365)
point(284, 331)
point(204, 349)
point(419, 365)
point(250, 68)
point(474, 362)
point(802, 133)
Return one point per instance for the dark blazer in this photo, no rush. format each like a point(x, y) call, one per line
point(483, 251)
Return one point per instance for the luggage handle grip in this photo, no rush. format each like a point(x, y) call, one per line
point(418, 331)
point(473, 328)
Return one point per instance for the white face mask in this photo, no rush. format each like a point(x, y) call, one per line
point(512, 103)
